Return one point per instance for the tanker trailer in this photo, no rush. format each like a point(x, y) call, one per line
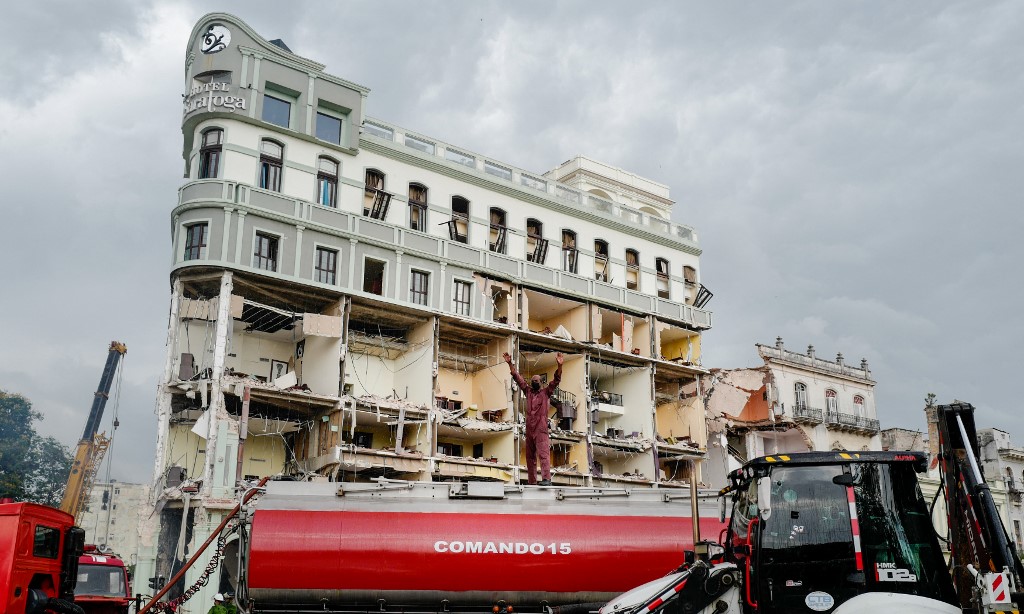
point(462, 546)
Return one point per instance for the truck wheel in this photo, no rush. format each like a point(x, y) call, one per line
point(63, 606)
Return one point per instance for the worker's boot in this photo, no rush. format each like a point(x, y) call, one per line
point(544, 483)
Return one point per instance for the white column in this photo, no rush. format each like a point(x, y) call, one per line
point(216, 395)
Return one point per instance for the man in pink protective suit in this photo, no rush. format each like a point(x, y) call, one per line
point(537, 402)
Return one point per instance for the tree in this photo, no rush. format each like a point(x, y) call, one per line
point(32, 468)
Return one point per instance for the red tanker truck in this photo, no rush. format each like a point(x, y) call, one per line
point(463, 546)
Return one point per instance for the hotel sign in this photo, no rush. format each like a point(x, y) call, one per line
point(212, 97)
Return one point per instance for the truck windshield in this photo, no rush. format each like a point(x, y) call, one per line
point(100, 581)
point(901, 552)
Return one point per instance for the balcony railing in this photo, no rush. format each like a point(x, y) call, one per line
point(852, 421)
point(608, 398)
point(803, 413)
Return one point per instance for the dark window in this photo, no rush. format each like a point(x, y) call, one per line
point(536, 244)
point(373, 276)
point(661, 266)
point(570, 254)
point(276, 111)
point(100, 580)
point(47, 542)
point(417, 207)
point(463, 297)
point(265, 255)
point(327, 182)
point(209, 153)
point(326, 266)
point(499, 231)
point(458, 227)
point(195, 241)
point(449, 449)
point(271, 161)
point(328, 128)
point(420, 285)
point(376, 201)
point(600, 260)
point(632, 269)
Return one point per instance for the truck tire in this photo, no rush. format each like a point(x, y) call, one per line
point(63, 606)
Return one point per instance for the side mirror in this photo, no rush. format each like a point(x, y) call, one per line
point(764, 496)
point(721, 508)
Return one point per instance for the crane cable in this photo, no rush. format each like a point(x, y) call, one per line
point(110, 445)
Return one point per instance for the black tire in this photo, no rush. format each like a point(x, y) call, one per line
point(63, 606)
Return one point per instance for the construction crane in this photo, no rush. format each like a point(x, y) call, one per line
point(93, 445)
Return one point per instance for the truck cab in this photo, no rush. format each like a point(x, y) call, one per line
point(103, 583)
point(39, 550)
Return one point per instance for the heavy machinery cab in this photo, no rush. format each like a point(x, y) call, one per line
point(814, 530)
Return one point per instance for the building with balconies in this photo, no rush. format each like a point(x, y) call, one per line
point(343, 289)
point(1004, 462)
point(793, 403)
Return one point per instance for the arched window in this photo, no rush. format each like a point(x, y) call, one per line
point(600, 260)
point(458, 226)
point(801, 395)
point(570, 253)
point(271, 163)
point(661, 266)
point(327, 182)
point(418, 207)
point(375, 200)
point(858, 405)
point(499, 231)
point(536, 244)
point(632, 269)
point(831, 401)
point(209, 153)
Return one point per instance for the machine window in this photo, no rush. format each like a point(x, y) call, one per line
point(47, 542)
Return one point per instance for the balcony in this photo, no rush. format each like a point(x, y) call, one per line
point(851, 422)
point(803, 414)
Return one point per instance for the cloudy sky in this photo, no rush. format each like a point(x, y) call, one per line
point(854, 169)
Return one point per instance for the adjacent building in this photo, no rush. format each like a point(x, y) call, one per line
point(343, 289)
point(794, 402)
point(112, 515)
point(1003, 462)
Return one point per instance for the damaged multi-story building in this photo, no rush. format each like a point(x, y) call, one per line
point(794, 402)
point(343, 290)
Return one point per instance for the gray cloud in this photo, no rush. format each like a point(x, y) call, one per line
point(852, 170)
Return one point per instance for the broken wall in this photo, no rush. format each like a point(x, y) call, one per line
point(634, 384)
point(683, 419)
point(414, 377)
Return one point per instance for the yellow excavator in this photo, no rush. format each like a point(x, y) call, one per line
point(93, 445)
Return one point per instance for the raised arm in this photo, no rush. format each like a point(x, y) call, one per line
point(558, 374)
point(515, 374)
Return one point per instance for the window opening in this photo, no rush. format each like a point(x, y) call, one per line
point(265, 255)
point(689, 275)
point(661, 266)
point(373, 276)
point(536, 244)
point(417, 207)
point(326, 266)
point(601, 260)
point(195, 241)
point(570, 255)
point(47, 542)
point(276, 111)
point(328, 128)
point(376, 201)
point(419, 290)
point(271, 161)
point(632, 269)
point(831, 401)
point(458, 226)
point(801, 395)
point(463, 297)
point(858, 405)
point(327, 182)
point(209, 153)
point(498, 231)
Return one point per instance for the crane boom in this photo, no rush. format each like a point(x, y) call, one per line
point(92, 446)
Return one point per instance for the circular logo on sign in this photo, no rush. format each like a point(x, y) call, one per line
point(819, 601)
point(216, 38)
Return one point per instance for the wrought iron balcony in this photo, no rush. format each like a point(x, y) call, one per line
point(803, 413)
point(851, 422)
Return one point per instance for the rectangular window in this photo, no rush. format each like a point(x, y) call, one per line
point(271, 162)
point(420, 285)
point(417, 207)
point(47, 542)
point(276, 111)
point(326, 266)
point(327, 183)
point(328, 128)
point(209, 153)
point(265, 254)
point(463, 300)
point(195, 241)
point(373, 276)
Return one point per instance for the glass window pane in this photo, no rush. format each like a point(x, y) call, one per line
point(328, 128)
point(420, 144)
point(379, 131)
point(276, 111)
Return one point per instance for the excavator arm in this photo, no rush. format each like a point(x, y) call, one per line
point(987, 570)
point(91, 448)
